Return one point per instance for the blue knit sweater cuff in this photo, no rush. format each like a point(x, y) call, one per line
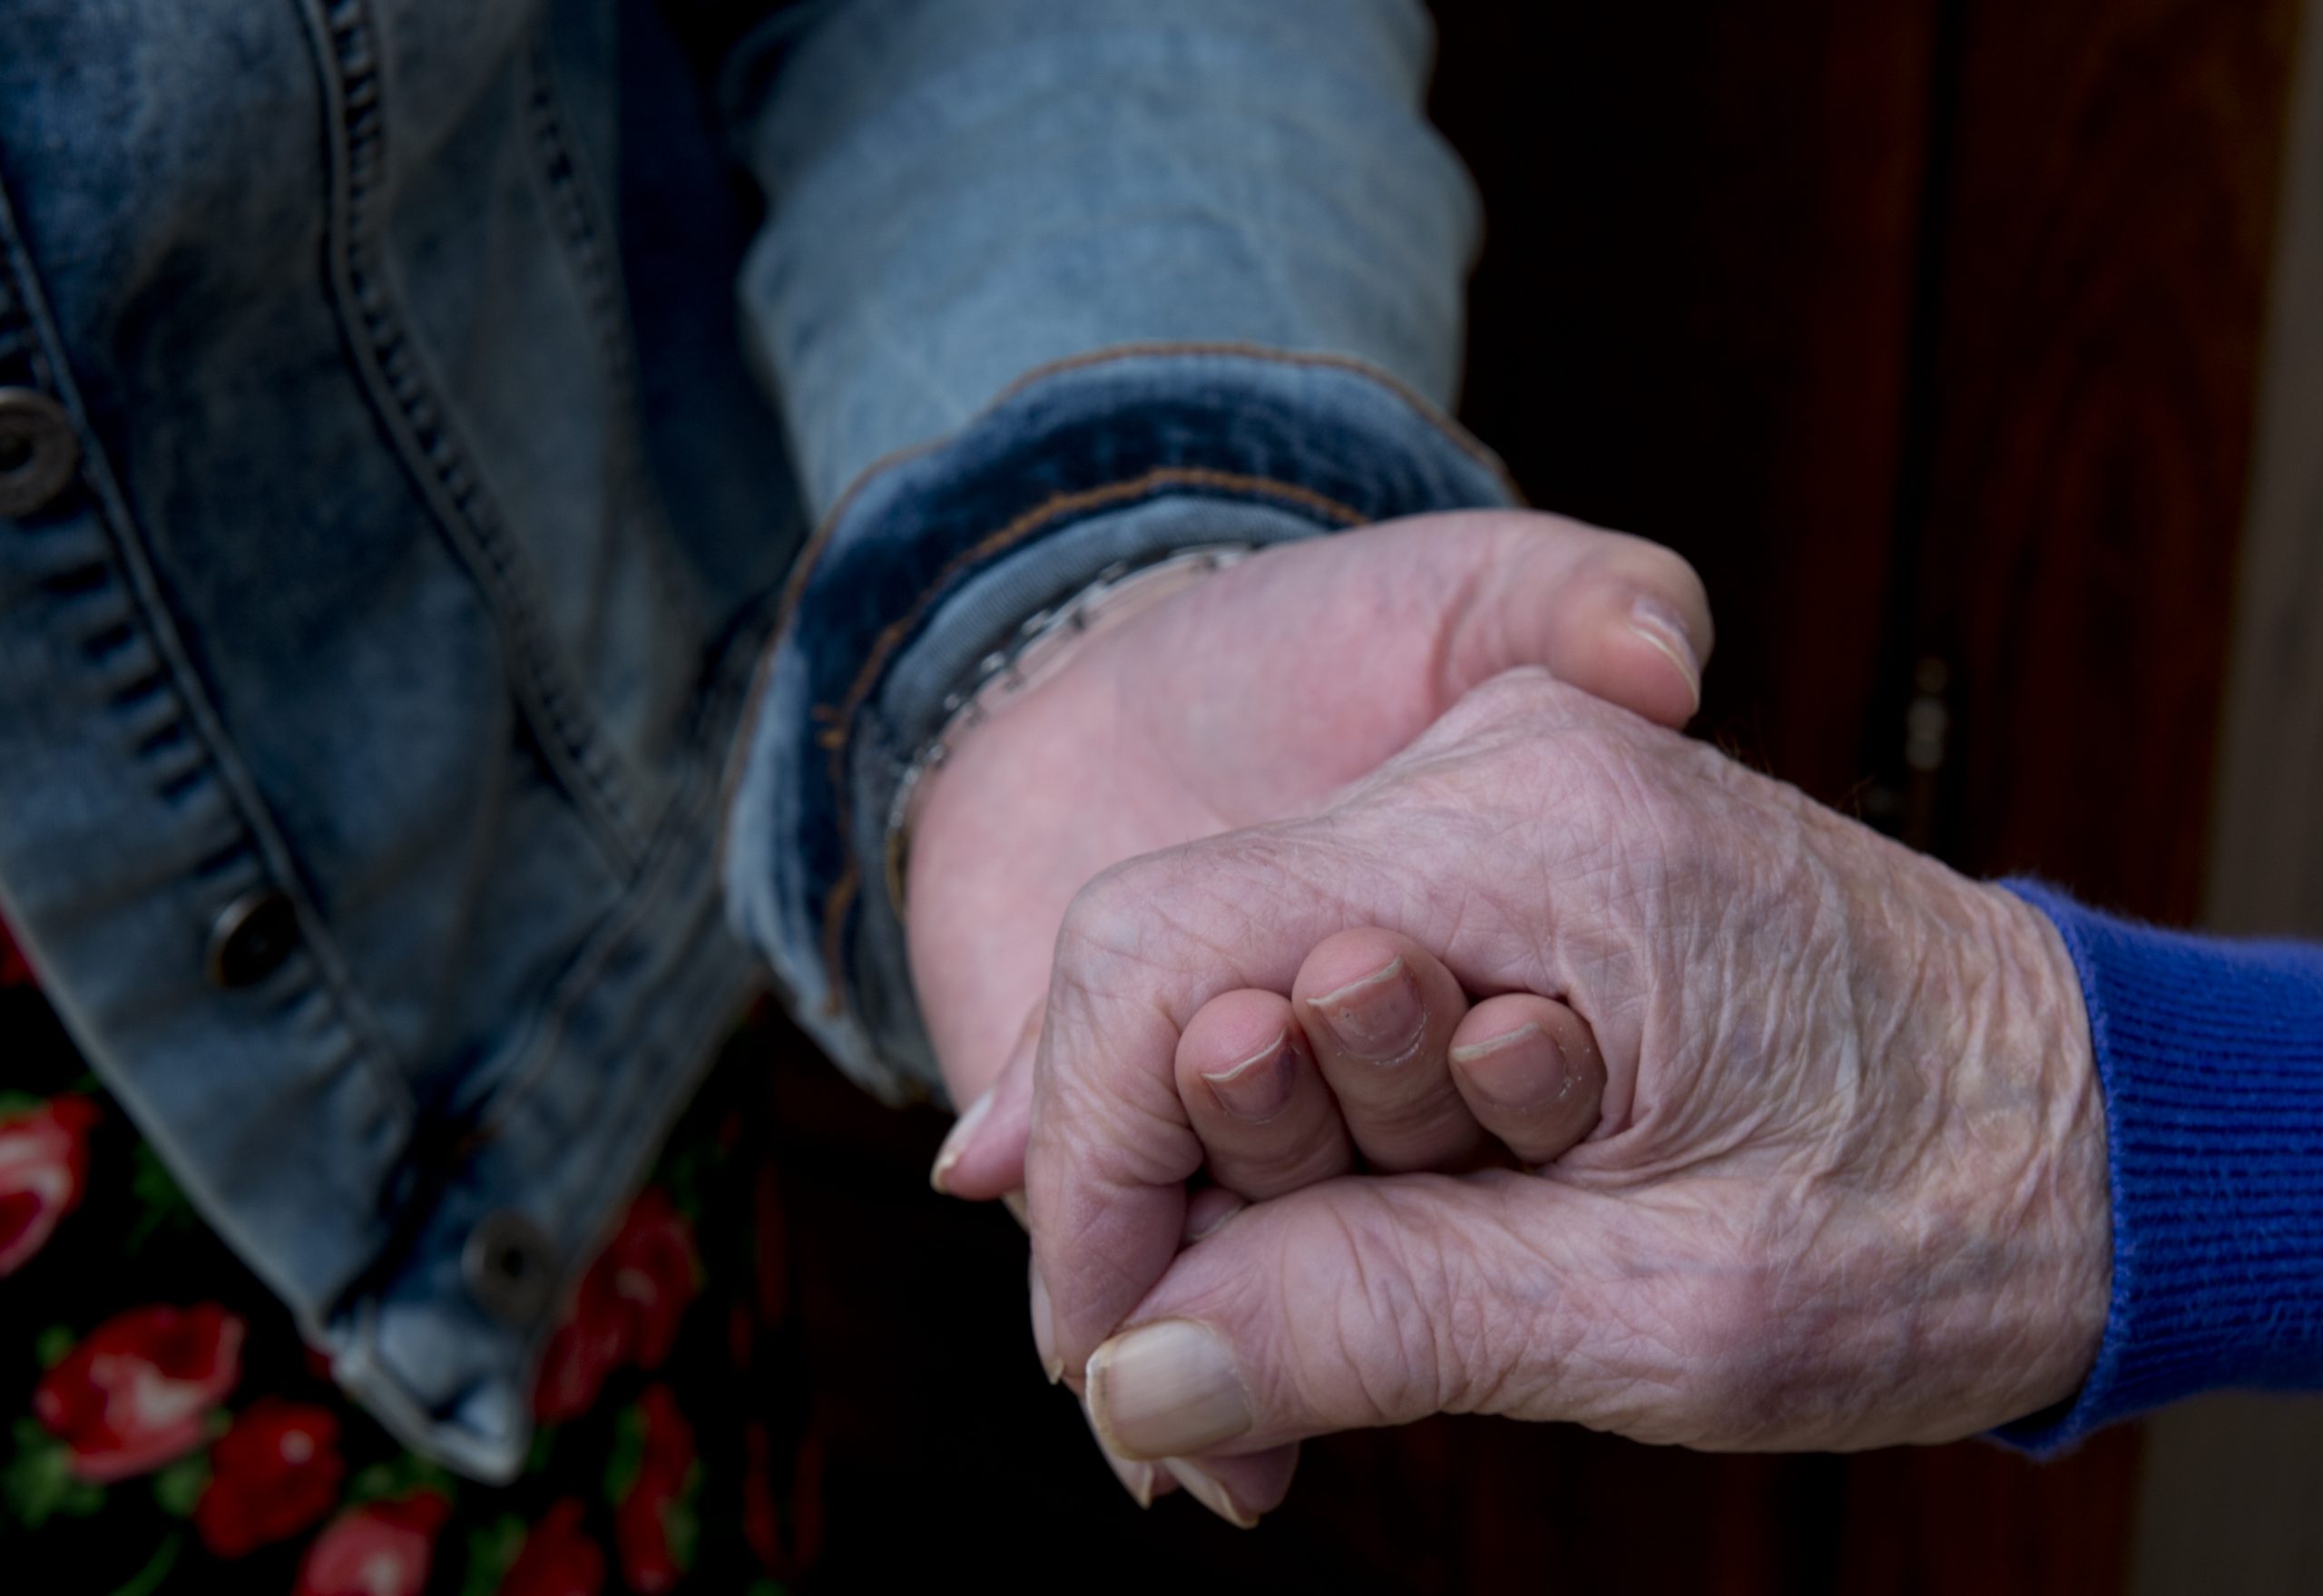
point(2210, 1053)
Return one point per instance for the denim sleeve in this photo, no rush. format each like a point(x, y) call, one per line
point(1049, 286)
point(2211, 1055)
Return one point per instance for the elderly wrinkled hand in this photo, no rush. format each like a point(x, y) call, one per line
point(1847, 1186)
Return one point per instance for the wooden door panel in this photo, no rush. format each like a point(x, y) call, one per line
point(2098, 314)
point(1692, 311)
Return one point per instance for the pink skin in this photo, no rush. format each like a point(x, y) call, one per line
point(1247, 1076)
point(1253, 696)
point(1280, 1102)
point(1427, 1083)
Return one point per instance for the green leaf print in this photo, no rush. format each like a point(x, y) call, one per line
point(628, 1457)
point(685, 1174)
point(52, 1346)
point(162, 1207)
point(39, 1483)
point(682, 1524)
point(398, 1478)
point(148, 1579)
point(491, 1552)
point(179, 1486)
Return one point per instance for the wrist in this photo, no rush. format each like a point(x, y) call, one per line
point(2059, 1206)
point(1046, 646)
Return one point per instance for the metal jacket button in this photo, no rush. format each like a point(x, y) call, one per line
point(38, 450)
point(511, 1267)
point(250, 939)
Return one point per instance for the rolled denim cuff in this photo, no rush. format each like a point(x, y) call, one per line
point(934, 561)
point(2211, 1055)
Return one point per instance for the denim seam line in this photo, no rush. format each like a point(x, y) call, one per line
point(689, 802)
point(575, 209)
point(578, 209)
point(418, 422)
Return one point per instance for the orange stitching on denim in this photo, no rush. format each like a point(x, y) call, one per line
point(842, 899)
point(1311, 359)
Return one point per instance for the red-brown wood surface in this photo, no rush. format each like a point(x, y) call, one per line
point(1946, 351)
point(2102, 278)
point(1693, 315)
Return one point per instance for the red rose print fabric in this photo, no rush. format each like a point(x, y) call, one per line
point(655, 1518)
point(137, 1392)
point(381, 1549)
point(627, 1312)
point(44, 1167)
point(272, 1474)
point(165, 1430)
point(558, 1558)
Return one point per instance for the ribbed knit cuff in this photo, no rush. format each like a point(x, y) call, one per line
point(2210, 1053)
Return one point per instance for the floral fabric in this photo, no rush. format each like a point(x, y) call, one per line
point(163, 1429)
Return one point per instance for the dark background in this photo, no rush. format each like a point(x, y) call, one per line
point(1930, 332)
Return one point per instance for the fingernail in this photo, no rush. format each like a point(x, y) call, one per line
point(1523, 1072)
point(957, 1143)
point(1207, 1211)
point(1665, 629)
point(1138, 1479)
point(1379, 1017)
point(1043, 1325)
point(1018, 1209)
point(1205, 1488)
point(1258, 1088)
point(1167, 1389)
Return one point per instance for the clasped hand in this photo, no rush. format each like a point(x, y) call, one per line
point(1526, 1057)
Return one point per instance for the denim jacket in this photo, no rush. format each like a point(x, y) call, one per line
point(424, 711)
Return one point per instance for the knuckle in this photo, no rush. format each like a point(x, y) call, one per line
point(1726, 1336)
point(1513, 699)
point(1173, 929)
point(1763, 1333)
point(1670, 574)
point(1108, 922)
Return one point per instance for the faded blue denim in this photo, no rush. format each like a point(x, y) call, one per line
point(418, 593)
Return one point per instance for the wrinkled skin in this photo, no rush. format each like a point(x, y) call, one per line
point(1253, 695)
point(1848, 1188)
